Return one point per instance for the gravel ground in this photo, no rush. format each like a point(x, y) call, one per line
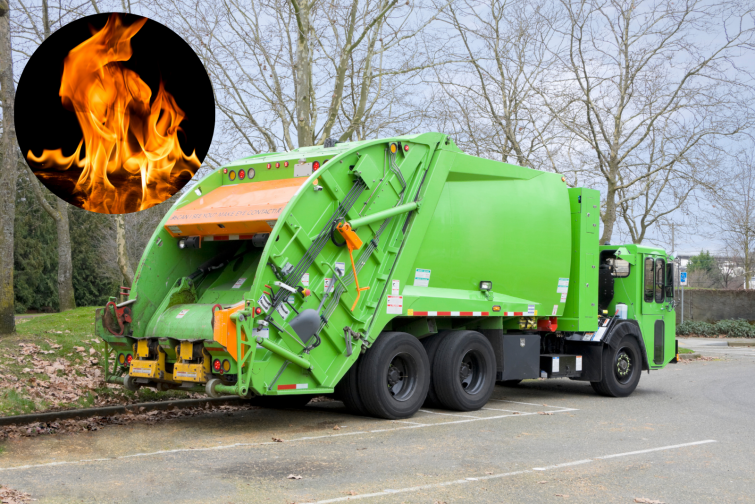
point(686, 435)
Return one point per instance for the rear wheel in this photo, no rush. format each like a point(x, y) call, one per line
point(394, 376)
point(431, 344)
point(622, 367)
point(464, 371)
point(347, 390)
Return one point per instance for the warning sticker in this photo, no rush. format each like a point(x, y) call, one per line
point(283, 310)
point(185, 374)
point(182, 313)
point(422, 277)
point(260, 333)
point(264, 302)
point(563, 297)
point(563, 286)
point(395, 305)
point(555, 365)
point(239, 283)
point(395, 287)
point(175, 229)
point(305, 280)
point(326, 284)
point(340, 268)
point(531, 310)
point(579, 363)
point(555, 310)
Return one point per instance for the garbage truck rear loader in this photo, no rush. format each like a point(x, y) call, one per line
point(395, 272)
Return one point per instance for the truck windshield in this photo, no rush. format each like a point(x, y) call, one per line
point(660, 275)
point(670, 280)
point(649, 270)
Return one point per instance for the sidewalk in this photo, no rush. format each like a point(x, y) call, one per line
point(716, 342)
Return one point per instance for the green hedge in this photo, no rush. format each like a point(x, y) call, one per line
point(739, 328)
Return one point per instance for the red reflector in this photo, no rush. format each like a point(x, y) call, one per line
point(258, 310)
point(129, 358)
point(406, 148)
point(315, 165)
point(242, 174)
point(269, 166)
point(216, 365)
point(277, 165)
point(285, 164)
point(225, 170)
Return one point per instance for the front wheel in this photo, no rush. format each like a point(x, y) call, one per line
point(622, 367)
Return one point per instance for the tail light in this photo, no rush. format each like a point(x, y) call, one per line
point(242, 174)
point(226, 366)
point(225, 170)
point(285, 164)
point(258, 310)
point(121, 359)
point(232, 175)
point(129, 359)
point(269, 166)
point(216, 365)
point(315, 166)
point(277, 164)
point(406, 148)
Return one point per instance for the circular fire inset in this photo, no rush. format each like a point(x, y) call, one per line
point(114, 113)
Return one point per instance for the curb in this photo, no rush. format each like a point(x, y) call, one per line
point(689, 356)
point(114, 410)
point(742, 343)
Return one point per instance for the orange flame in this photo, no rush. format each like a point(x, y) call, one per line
point(124, 135)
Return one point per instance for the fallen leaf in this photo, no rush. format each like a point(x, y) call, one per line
point(79, 348)
point(293, 476)
point(277, 440)
point(647, 501)
point(351, 492)
point(92, 351)
point(541, 482)
point(544, 412)
point(561, 495)
point(336, 428)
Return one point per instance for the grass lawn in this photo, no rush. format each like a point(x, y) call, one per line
point(55, 362)
point(683, 350)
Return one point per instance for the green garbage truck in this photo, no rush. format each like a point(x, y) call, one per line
point(394, 273)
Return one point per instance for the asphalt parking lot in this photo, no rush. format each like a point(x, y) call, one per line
point(685, 435)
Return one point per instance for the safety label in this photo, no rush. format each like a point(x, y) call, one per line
point(422, 277)
point(563, 286)
point(326, 284)
point(264, 302)
point(563, 297)
point(186, 374)
point(340, 268)
point(305, 280)
point(555, 310)
point(175, 229)
point(531, 310)
point(239, 283)
point(395, 287)
point(395, 305)
point(182, 313)
point(283, 310)
point(579, 363)
point(555, 365)
point(260, 333)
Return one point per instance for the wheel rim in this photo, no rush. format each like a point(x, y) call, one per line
point(472, 372)
point(401, 378)
point(624, 367)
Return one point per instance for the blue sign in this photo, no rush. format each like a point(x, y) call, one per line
point(683, 278)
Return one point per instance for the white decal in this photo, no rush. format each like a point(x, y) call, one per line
point(579, 363)
point(395, 288)
point(340, 269)
point(395, 305)
point(554, 366)
point(422, 277)
point(599, 334)
point(563, 286)
point(239, 283)
point(305, 280)
point(326, 284)
point(182, 313)
point(260, 333)
point(531, 310)
point(264, 302)
point(563, 297)
point(555, 310)
point(283, 310)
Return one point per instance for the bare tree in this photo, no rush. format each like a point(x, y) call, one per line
point(485, 100)
point(291, 73)
point(8, 160)
point(646, 86)
point(733, 216)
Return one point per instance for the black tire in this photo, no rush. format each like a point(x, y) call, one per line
point(347, 391)
point(622, 367)
point(431, 344)
point(510, 383)
point(394, 376)
point(464, 371)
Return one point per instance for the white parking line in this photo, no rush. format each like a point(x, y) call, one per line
point(448, 414)
point(503, 475)
point(244, 445)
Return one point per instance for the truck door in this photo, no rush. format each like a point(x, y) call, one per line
point(653, 308)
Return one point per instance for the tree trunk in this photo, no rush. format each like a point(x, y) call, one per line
point(8, 173)
point(65, 267)
point(120, 242)
point(303, 75)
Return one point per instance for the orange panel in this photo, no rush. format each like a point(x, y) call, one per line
point(240, 209)
point(225, 329)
